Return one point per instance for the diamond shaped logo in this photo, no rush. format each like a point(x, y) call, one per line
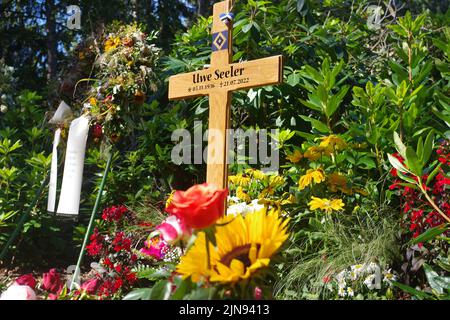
point(220, 41)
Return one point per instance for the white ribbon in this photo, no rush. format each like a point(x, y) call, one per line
point(69, 201)
point(53, 174)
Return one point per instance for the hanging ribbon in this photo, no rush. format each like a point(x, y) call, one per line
point(62, 114)
point(69, 201)
point(53, 173)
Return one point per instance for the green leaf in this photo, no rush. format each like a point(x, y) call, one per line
point(417, 293)
point(433, 173)
point(430, 234)
point(436, 282)
point(397, 164)
point(401, 148)
point(406, 178)
point(161, 290)
point(139, 294)
point(316, 124)
point(300, 4)
point(427, 148)
point(413, 162)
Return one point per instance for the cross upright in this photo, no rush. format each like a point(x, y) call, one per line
point(218, 82)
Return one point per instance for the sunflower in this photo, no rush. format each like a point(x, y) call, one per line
point(326, 205)
point(295, 157)
point(333, 142)
point(244, 246)
point(311, 175)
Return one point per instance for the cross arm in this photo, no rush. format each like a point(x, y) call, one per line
point(235, 76)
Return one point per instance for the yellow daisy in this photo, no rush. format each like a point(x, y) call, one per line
point(326, 205)
point(338, 182)
point(112, 43)
point(244, 246)
point(333, 142)
point(311, 175)
point(256, 174)
point(295, 157)
point(313, 153)
point(240, 193)
point(240, 179)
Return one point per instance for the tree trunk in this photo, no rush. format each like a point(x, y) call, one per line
point(203, 7)
point(51, 40)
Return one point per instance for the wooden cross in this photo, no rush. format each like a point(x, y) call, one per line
point(218, 82)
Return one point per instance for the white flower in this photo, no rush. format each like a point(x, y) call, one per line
point(3, 108)
point(340, 277)
point(369, 282)
point(350, 292)
point(238, 208)
point(389, 276)
point(342, 292)
point(18, 292)
point(255, 206)
point(372, 267)
point(233, 199)
point(353, 275)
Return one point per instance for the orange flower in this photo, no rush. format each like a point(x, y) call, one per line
point(200, 206)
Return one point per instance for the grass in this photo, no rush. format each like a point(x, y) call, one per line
point(335, 244)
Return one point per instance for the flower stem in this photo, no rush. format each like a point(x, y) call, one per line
point(433, 204)
point(207, 253)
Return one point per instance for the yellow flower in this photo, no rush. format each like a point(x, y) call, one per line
point(239, 180)
point(256, 174)
point(336, 182)
point(313, 153)
point(332, 142)
point(112, 43)
point(295, 157)
point(240, 193)
point(169, 199)
point(93, 102)
point(311, 175)
point(326, 205)
point(276, 181)
point(290, 199)
point(245, 245)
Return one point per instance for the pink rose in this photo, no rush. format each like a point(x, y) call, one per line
point(51, 281)
point(27, 280)
point(200, 206)
point(173, 229)
point(90, 286)
point(18, 292)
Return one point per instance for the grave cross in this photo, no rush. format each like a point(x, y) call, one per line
point(218, 82)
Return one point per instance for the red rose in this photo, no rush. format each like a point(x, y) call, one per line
point(27, 280)
point(200, 206)
point(51, 281)
point(97, 131)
